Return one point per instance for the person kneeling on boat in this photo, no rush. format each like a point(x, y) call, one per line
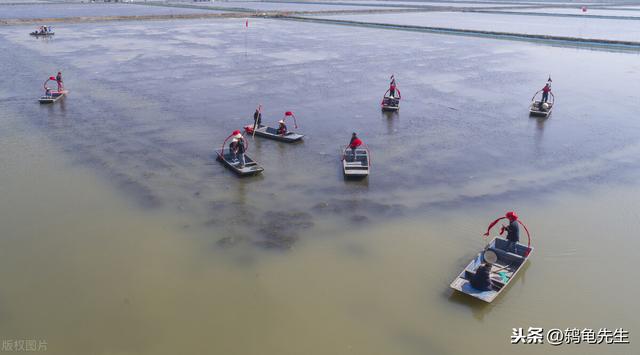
point(481, 280)
point(354, 143)
point(237, 148)
point(47, 92)
point(513, 232)
point(282, 128)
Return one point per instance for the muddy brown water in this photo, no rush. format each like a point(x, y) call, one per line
point(122, 235)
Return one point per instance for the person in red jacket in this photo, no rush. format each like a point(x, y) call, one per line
point(392, 87)
point(545, 92)
point(59, 82)
point(355, 142)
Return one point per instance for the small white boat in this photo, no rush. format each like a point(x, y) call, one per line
point(390, 103)
point(41, 34)
point(355, 163)
point(538, 108)
point(55, 96)
point(504, 268)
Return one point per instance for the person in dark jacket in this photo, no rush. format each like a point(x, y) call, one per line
point(513, 231)
point(481, 280)
point(257, 118)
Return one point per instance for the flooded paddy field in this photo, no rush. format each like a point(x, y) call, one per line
point(282, 6)
point(64, 10)
point(578, 12)
point(627, 8)
point(120, 233)
point(314, 5)
point(594, 28)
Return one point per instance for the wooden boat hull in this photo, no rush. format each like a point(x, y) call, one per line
point(271, 133)
point(512, 261)
point(55, 96)
point(355, 166)
point(250, 168)
point(42, 34)
point(534, 109)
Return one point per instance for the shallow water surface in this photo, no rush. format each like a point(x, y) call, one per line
point(585, 27)
point(65, 10)
point(122, 234)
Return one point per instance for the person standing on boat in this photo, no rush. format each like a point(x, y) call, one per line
point(257, 118)
point(354, 143)
point(481, 280)
point(545, 92)
point(513, 231)
point(392, 87)
point(59, 81)
point(238, 147)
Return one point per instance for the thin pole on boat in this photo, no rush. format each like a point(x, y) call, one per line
point(295, 121)
point(246, 29)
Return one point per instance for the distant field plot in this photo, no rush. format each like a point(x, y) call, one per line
point(64, 10)
point(626, 7)
point(283, 6)
point(540, 25)
point(430, 3)
point(578, 12)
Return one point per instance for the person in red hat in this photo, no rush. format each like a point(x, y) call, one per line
point(513, 231)
point(238, 147)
